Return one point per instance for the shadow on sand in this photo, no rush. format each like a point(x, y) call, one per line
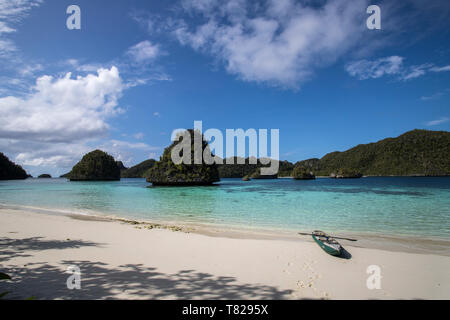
point(345, 254)
point(13, 248)
point(103, 281)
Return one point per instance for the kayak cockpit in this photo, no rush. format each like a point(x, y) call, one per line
point(327, 243)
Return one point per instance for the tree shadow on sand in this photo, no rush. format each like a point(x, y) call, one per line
point(12, 248)
point(136, 281)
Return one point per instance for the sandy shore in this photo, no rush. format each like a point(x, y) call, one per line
point(121, 260)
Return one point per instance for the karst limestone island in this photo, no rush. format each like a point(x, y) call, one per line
point(414, 153)
point(9, 170)
point(166, 173)
point(44, 176)
point(95, 166)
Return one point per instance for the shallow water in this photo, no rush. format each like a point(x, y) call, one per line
point(392, 206)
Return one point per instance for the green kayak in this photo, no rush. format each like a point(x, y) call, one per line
point(327, 243)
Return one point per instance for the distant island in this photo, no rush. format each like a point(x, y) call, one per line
point(9, 170)
point(95, 166)
point(257, 175)
point(138, 170)
point(44, 176)
point(302, 173)
point(414, 153)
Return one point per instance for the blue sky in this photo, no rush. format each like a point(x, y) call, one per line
point(139, 69)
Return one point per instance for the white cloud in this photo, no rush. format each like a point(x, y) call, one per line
point(63, 109)
point(279, 42)
point(364, 69)
point(5, 29)
point(126, 151)
point(56, 155)
point(29, 70)
point(440, 69)
point(35, 154)
point(393, 65)
point(432, 97)
point(414, 72)
point(59, 158)
point(144, 51)
point(50, 128)
point(138, 135)
point(438, 121)
point(129, 145)
point(435, 95)
point(156, 114)
point(136, 65)
point(11, 13)
point(6, 48)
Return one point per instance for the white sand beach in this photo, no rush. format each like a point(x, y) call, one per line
point(124, 261)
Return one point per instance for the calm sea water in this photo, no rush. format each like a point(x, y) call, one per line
point(386, 206)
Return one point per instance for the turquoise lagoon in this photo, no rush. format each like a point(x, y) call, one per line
point(389, 206)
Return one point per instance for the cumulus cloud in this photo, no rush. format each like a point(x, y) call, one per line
point(62, 109)
point(38, 157)
point(64, 117)
point(137, 64)
point(280, 42)
point(56, 155)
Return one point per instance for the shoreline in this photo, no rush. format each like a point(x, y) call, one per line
point(403, 243)
point(119, 260)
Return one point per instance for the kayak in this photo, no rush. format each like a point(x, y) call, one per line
point(327, 243)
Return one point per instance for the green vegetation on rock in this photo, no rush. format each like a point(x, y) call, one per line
point(310, 164)
point(44, 176)
point(95, 166)
point(346, 173)
point(236, 170)
point(257, 175)
point(121, 166)
point(302, 173)
point(166, 173)
point(285, 168)
point(138, 170)
point(9, 170)
point(417, 152)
